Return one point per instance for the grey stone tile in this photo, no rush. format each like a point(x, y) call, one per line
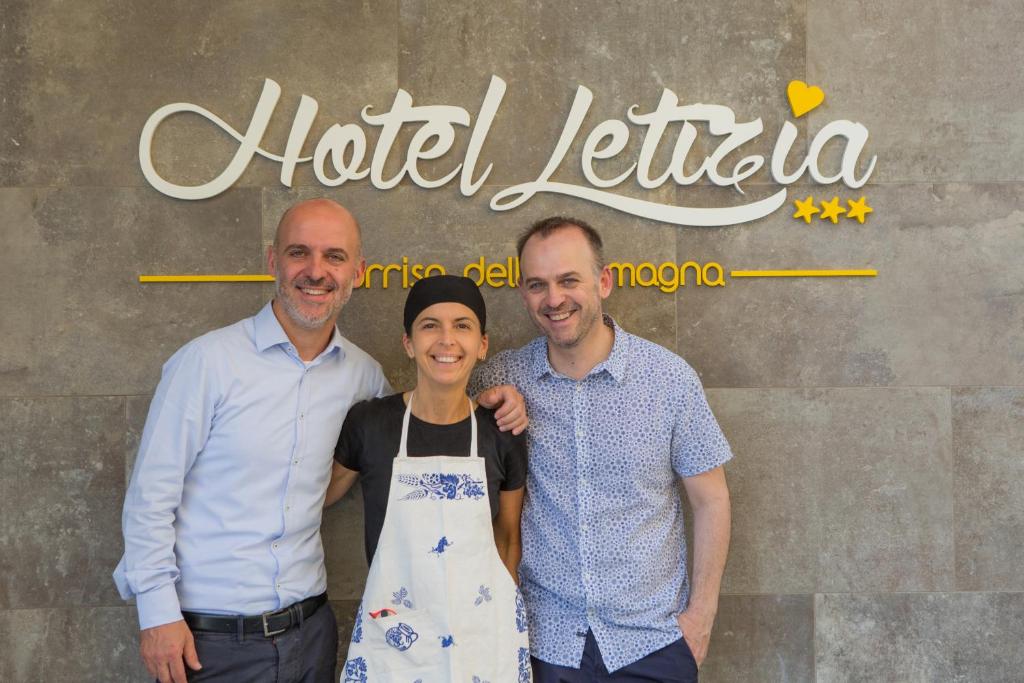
point(934, 83)
point(773, 484)
point(342, 535)
point(444, 228)
point(77, 321)
point(838, 489)
point(945, 308)
point(762, 638)
point(543, 51)
point(886, 485)
point(915, 638)
point(988, 445)
point(77, 99)
point(751, 53)
point(61, 489)
point(70, 645)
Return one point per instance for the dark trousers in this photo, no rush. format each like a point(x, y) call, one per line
point(306, 653)
point(673, 663)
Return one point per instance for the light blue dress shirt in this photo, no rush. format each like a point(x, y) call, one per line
point(603, 542)
point(223, 511)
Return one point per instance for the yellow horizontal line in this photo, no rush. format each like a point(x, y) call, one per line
point(733, 273)
point(206, 278)
point(803, 273)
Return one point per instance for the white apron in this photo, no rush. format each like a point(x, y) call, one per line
point(439, 605)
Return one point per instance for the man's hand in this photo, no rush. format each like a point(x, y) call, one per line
point(164, 647)
point(696, 628)
point(511, 407)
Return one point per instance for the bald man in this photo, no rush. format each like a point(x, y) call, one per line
point(222, 516)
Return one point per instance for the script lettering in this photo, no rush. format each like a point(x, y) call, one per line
point(341, 153)
point(249, 145)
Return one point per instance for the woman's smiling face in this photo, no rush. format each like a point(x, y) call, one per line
point(446, 342)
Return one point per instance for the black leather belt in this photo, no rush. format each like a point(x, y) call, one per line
point(268, 623)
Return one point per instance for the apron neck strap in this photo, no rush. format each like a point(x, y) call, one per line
point(402, 446)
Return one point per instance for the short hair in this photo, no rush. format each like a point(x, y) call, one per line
point(545, 227)
point(325, 200)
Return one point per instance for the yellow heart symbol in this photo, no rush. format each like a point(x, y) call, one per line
point(803, 97)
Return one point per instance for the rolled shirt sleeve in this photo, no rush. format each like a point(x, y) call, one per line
point(179, 421)
point(698, 444)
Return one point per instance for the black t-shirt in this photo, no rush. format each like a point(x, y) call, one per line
point(369, 443)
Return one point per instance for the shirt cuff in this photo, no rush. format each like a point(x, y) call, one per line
point(158, 606)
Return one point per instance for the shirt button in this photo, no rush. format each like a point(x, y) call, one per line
point(275, 545)
point(302, 416)
point(295, 462)
point(287, 508)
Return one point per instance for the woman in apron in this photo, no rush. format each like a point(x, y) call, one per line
point(443, 493)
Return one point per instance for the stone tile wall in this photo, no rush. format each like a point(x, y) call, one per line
point(878, 514)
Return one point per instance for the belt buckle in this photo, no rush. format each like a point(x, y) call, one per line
point(266, 627)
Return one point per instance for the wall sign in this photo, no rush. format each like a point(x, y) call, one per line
point(667, 276)
point(341, 154)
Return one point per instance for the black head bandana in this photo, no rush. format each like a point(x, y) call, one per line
point(440, 289)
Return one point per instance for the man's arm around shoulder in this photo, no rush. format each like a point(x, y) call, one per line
point(491, 386)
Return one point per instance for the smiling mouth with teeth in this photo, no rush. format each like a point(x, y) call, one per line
point(447, 359)
point(559, 316)
point(314, 291)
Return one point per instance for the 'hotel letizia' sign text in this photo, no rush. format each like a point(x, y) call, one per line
point(341, 153)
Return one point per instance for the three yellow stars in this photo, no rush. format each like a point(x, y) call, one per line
point(831, 210)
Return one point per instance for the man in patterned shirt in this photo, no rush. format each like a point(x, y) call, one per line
point(614, 420)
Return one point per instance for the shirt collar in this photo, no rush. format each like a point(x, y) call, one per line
point(268, 333)
point(614, 364)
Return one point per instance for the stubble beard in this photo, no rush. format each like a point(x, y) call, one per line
point(285, 293)
point(586, 324)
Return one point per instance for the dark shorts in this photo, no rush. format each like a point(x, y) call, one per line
point(673, 663)
point(306, 653)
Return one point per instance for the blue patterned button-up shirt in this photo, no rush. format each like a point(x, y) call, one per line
point(603, 543)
